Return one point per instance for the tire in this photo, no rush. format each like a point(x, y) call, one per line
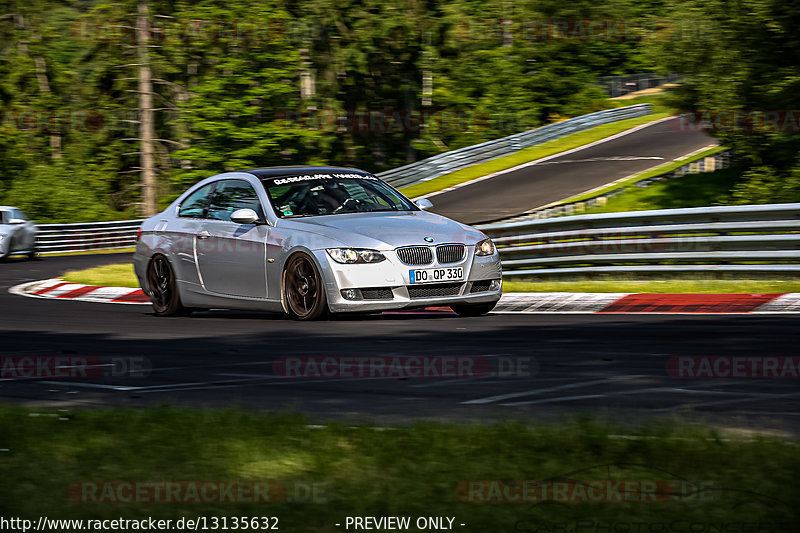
point(33, 256)
point(303, 289)
point(163, 288)
point(473, 309)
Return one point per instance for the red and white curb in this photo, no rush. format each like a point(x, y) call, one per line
point(57, 288)
point(626, 303)
point(519, 302)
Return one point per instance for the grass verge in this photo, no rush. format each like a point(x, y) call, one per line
point(94, 252)
point(633, 180)
point(120, 275)
point(655, 475)
point(529, 154)
point(689, 285)
point(691, 190)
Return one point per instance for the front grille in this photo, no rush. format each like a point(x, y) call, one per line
point(377, 293)
point(435, 289)
point(450, 253)
point(480, 286)
point(415, 255)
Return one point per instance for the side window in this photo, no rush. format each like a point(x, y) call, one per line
point(19, 214)
point(231, 195)
point(195, 204)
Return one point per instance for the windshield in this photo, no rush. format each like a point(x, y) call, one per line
point(328, 194)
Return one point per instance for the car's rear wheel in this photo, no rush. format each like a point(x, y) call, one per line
point(163, 288)
point(473, 309)
point(303, 289)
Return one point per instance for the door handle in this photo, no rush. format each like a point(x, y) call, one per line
point(203, 235)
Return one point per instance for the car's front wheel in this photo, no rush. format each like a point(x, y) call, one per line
point(163, 288)
point(303, 289)
point(473, 309)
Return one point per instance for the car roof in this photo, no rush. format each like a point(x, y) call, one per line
point(276, 172)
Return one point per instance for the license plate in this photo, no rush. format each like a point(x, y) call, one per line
point(428, 275)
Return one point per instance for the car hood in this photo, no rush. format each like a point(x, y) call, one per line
point(386, 230)
point(5, 229)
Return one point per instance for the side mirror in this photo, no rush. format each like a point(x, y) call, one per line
point(244, 216)
point(424, 204)
point(16, 221)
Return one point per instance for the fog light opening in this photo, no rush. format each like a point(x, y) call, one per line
point(495, 285)
point(351, 294)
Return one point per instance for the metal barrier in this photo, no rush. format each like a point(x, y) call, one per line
point(621, 85)
point(747, 238)
point(453, 160)
point(67, 238)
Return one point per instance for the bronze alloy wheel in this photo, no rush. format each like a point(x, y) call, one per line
point(162, 287)
point(305, 292)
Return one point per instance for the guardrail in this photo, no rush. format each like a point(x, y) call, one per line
point(748, 238)
point(621, 85)
point(80, 237)
point(447, 162)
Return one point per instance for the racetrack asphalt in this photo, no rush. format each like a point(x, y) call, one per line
point(519, 191)
point(608, 366)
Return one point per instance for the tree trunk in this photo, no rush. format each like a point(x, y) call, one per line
point(44, 88)
point(146, 133)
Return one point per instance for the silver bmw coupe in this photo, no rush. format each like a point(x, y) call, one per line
point(17, 233)
point(307, 241)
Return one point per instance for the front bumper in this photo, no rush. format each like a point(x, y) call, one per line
point(394, 275)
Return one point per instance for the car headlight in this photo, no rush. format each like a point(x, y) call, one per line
point(355, 255)
point(484, 247)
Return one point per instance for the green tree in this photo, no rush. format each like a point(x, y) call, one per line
point(742, 56)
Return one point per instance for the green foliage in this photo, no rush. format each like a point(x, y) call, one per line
point(227, 77)
point(764, 184)
point(53, 192)
point(422, 470)
point(742, 56)
point(690, 190)
point(238, 89)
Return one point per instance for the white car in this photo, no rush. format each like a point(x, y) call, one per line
point(308, 240)
point(17, 233)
